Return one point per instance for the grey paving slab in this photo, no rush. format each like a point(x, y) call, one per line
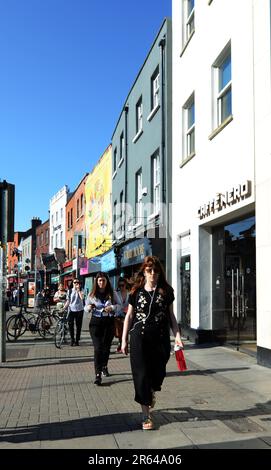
point(48, 400)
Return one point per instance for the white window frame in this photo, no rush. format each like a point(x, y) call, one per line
point(156, 183)
point(121, 225)
point(219, 94)
point(139, 115)
point(115, 156)
point(139, 202)
point(155, 87)
point(122, 149)
point(189, 20)
point(188, 130)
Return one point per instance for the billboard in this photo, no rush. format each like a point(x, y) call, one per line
point(98, 218)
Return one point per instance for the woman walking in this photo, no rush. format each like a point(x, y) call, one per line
point(123, 294)
point(75, 302)
point(149, 319)
point(102, 302)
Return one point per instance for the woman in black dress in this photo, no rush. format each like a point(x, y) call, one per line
point(149, 319)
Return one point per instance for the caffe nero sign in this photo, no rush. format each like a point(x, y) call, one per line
point(223, 200)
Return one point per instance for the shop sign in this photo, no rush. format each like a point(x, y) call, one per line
point(108, 261)
point(135, 252)
point(223, 200)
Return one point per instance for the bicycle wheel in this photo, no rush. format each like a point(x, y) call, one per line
point(45, 326)
point(15, 327)
point(59, 334)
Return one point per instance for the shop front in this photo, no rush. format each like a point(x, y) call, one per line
point(132, 255)
point(217, 272)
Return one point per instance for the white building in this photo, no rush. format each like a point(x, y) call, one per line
point(221, 171)
point(58, 218)
point(26, 248)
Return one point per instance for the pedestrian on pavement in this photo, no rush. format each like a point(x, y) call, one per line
point(75, 304)
point(123, 294)
point(103, 304)
point(149, 319)
point(60, 296)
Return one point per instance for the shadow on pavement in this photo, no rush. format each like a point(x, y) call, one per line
point(237, 421)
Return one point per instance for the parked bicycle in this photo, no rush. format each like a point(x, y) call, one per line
point(62, 330)
point(41, 322)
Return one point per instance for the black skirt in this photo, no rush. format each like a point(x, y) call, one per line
point(149, 354)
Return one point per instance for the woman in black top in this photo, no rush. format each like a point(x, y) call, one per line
point(149, 318)
point(102, 302)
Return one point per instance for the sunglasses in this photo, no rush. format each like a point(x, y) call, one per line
point(75, 282)
point(149, 270)
point(121, 285)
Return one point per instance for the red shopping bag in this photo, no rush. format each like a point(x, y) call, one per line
point(180, 359)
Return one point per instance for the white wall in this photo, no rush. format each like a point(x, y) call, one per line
point(263, 168)
point(58, 202)
point(228, 158)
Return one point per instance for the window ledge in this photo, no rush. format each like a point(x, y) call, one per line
point(221, 127)
point(153, 216)
point(153, 112)
point(136, 137)
point(187, 159)
point(187, 42)
point(120, 162)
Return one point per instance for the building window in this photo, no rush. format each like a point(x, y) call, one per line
point(155, 85)
point(52, 242)
point(121, 214)
point(46, 236)
point(61, 239)
point(155, 184)
point(82, 203)
point(56, 217)
point(222, 87)
point(189, 127)
point(61, 213)
point(189, 19)
point(121, 147)
point(115, 160)
point(139, 115)
point(115, 218)
point(139, 205)
point(77, 209)
point(71, 217)
point(56, 241)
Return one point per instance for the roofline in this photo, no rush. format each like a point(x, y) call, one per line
point(166, 19)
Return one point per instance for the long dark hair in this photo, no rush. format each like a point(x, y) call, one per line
point(151, 262)
point(108, 292)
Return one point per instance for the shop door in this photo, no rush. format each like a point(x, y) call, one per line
point(240, 286)
point(185, 291)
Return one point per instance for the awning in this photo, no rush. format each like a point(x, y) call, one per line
point(69, 271)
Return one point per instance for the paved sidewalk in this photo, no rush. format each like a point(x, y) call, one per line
point(49, 401)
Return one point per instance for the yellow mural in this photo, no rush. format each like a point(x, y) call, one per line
point(98, 218)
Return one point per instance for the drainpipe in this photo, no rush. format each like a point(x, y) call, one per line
point(163, 160)
point(126, 110)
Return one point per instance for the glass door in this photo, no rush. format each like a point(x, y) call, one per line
point(240, 281)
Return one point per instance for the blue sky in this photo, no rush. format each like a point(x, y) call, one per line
point(66, 67)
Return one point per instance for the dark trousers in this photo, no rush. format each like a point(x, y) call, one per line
point(78, 318)
point(102, 333)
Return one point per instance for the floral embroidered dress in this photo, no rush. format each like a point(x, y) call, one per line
point(149, 341)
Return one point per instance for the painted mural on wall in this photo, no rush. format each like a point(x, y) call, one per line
point(98, 218)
